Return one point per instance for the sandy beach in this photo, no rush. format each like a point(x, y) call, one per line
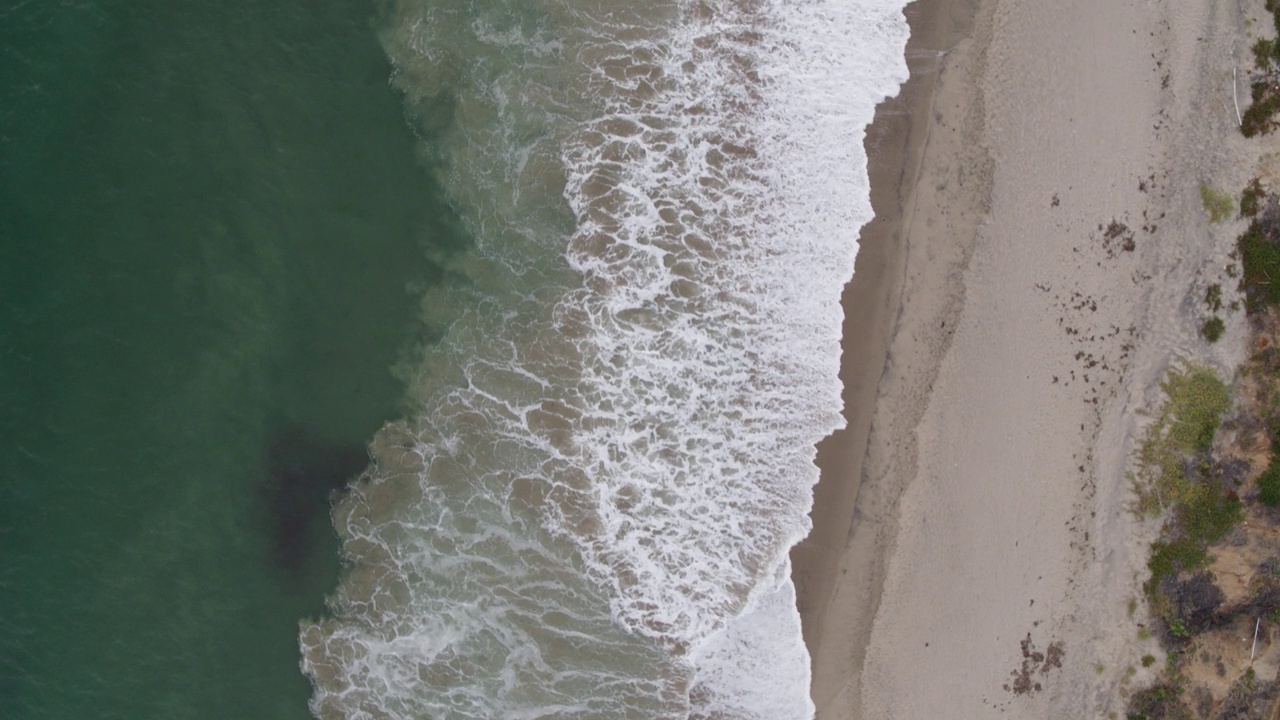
point(1038, 247)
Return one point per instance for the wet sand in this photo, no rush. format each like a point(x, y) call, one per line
point(843, 502)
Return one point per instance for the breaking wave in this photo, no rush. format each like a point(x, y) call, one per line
point(588, 513)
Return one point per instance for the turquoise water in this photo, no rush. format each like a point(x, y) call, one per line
point(213, 240)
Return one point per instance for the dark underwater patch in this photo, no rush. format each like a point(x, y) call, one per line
point(303, 472)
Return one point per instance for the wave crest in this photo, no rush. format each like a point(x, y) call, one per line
point(612, 455)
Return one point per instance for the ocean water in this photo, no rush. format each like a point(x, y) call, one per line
point(587, 510)
point(557, 280)
point(214, 237)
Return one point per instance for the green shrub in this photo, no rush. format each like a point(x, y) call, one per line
point(1158, 702)
point(1207, 513)
point(1266, 93)
point(1257, 119)
point(1251, 198)
point(1265, 52)
point(1212, 329)
point(1196, 401)
point(1260, 261)
point(1148, 660)
point(1217, 203)
point(1173, 455)
point(1171, 558)
point(1213, 297)
point(1269, 482)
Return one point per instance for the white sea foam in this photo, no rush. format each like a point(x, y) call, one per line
point(592, 513)
point(757, 667)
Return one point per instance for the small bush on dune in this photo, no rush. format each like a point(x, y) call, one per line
point(1265, 52)
point(1213, 297)
point(1251, 199)
point(1212, 329)
point(1183, 430)
point(1218, 204)
point(1197, 401)
point(1257, 120)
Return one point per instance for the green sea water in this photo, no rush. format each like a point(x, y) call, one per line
point(213, 240)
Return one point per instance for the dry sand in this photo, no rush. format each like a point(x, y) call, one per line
point(1038, 256)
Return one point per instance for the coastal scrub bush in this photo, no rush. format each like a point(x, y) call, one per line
point(1158, 702)
point(1191, 605)
point(1168, 558)
point(1174, 457)
point(1190, 417)
point(1248, 698)
point(1269, 481)
point(1213, 297)
point(1218, 204)
point(1207, 512)
point(1265, 52)
point(1212, 329)
point(1260, 260)
point(1257, 120)
point(1196, 401)
point(1251, 198)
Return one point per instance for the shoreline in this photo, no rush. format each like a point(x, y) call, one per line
point(845, 534)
